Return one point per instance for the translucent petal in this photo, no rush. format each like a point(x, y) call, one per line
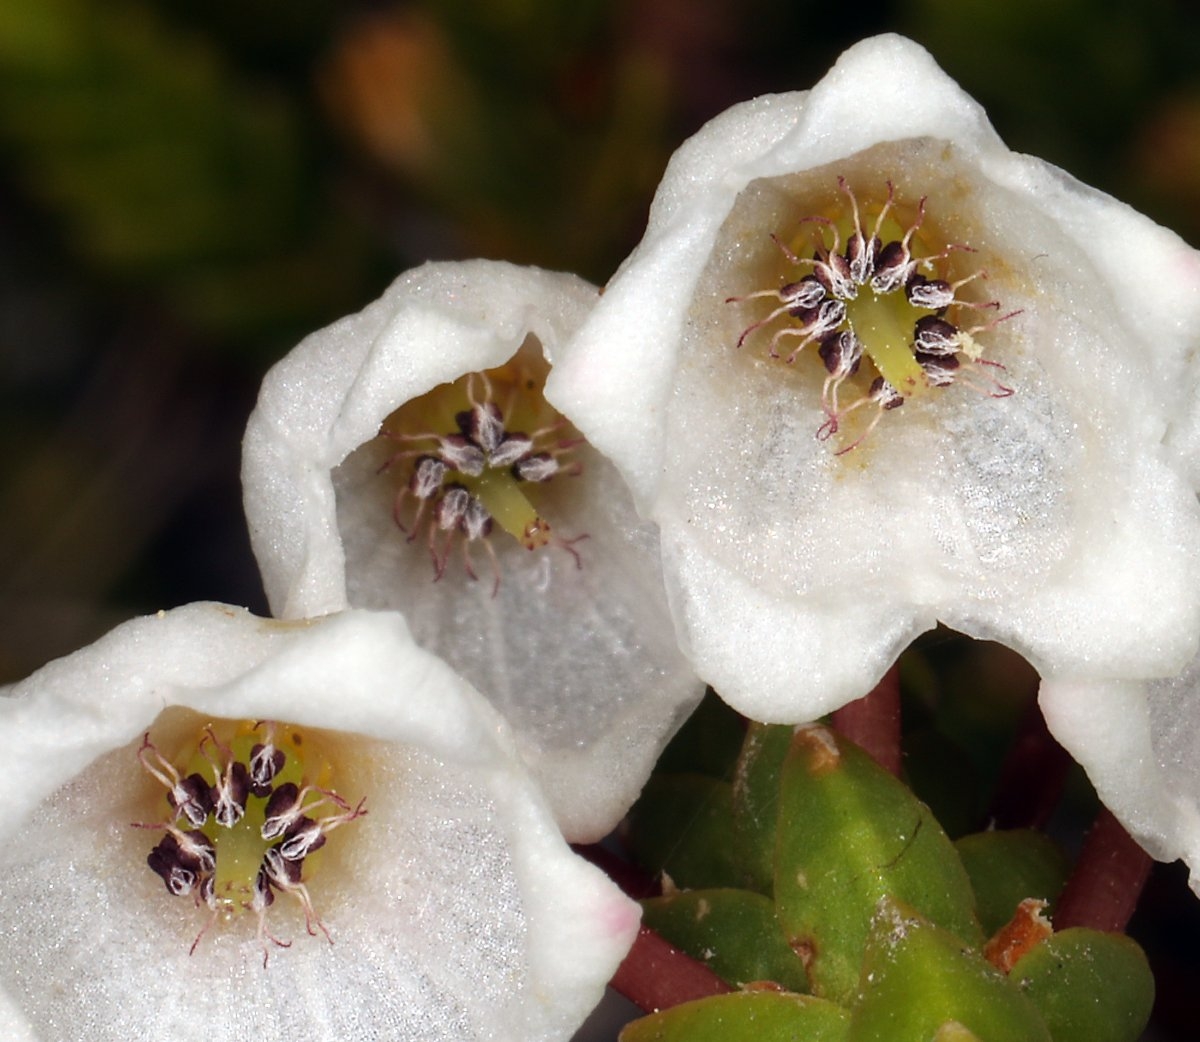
point(456, 910)
point(1044, 520)
point(581, 659)
point(1140, 744)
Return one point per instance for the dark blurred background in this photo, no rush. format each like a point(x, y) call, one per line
point(188, 187)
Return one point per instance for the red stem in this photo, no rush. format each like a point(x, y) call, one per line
point(1107, 880)
point(1032, 777)
point(656, 976)
point(873, 721)
point(631, 879)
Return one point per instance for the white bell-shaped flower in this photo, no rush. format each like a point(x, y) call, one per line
point(351, 847)
point(404, 458)
point(870, 370)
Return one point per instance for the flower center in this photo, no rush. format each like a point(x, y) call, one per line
point(482, 451)
point(875, 291)
point(250, 806)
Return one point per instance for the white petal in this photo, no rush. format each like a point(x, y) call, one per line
point(456, 909)
point(582, 661)
point(1140, 744)
point(1044, 520)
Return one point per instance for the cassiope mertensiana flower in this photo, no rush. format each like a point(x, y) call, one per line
point(869, 370)
point(232, 827)
point(405, 458)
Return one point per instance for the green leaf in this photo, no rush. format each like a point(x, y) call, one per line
point(942, 775)
point(747, 1016)
point(850, 835)
point(1008, 866)
point(708, 742)
point(921, 984)
point(682, 825)
point(167, 170)
point(756, 800)
point(1090, 986)
point(734, 932)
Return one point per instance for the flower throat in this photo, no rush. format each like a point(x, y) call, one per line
point(875, 293)
point(249, 808)
point(483, 450)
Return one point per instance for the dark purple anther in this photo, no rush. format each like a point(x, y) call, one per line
point(539, 467)
point(264, 896)
point(860, 256)
point(934, 294)
point(280, 871)
point(830, 315)
point(192, 797)
point(476, 522)
point(462, 455)
point(266, 761)
point(282, 809)
point(840, 278)
point(164, 860)
point(230, 793)
point(935, 336)
point(511, 448)
point(195, 850)
point(451, 508)
point(940, 370)
point(885, 394)
point(305, 836)
point(167, 862)
point(427, 477)
point(483, 425)
point(802, 296)
point(893, 267)
point(841, 353)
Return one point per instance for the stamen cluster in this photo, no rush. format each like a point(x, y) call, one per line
point(872, 298)
point(470, 481)
point(250, 814)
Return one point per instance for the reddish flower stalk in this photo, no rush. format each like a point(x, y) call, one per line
point(628, 876)
point(873, 721)
point(1107, 881)
point(1032, 776)
point(656, 976)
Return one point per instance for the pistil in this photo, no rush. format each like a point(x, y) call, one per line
point(884, 324)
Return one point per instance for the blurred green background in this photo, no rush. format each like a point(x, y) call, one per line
point(188, 187)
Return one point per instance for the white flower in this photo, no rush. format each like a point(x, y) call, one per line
point(572, 640)
point(810, 529)
point(453, 908)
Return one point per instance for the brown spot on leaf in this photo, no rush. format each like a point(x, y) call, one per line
point(805, 949)
point(820, 746)
point(762, 985)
